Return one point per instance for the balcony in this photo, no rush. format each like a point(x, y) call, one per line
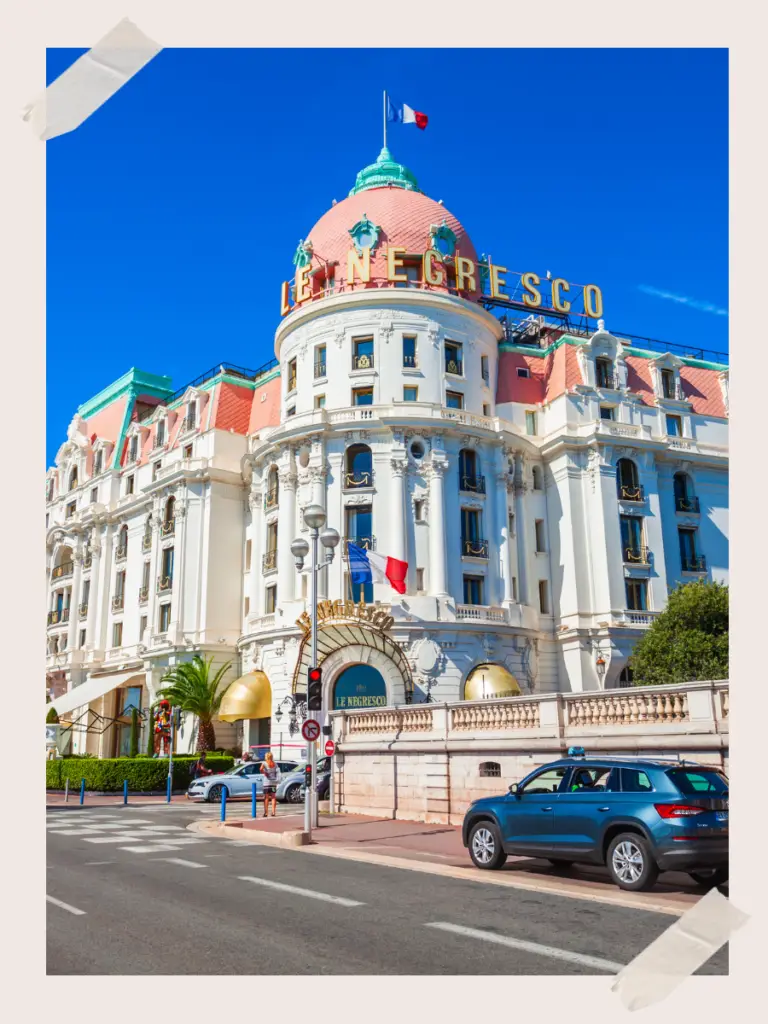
point(57, 617)
point(694, 563)
point(158, 442)
point(168, 527)
point(634, 555)
point(605, 378)
point(118, 602)
point(82, 610)
point(361, 478)
point(270, 499)
point(629, 493)
point(63, 570)
point(472, 484)
point(366, 543)
point(164, 584)
point(672, 391)
point(320, 369)
point(455, 366)
point(474, 548)
point(146, 542)
point(121, 553)
point(143, 595)
point(188, 424)
point(269, 561)
point(480, 613)
point(363, 361)
point(687, 504)
point(409, 362)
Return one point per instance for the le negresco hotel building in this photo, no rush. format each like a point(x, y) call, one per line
point(547, 482)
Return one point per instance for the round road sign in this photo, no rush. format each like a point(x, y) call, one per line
point(330, 747)
point(310, 730)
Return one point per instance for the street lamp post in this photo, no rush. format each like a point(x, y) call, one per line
point(314, 518)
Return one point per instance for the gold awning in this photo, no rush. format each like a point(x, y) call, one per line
point(486, 682)
point(250, 696)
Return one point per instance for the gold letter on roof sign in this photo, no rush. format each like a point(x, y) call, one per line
point(465, 270)
point(593, 301)
point(361, 264)
point(302, 284)
point(431, 274)
point(497, 282)
point(285, 298)
point(393, 262)
point(560, 304)
point(534, 297)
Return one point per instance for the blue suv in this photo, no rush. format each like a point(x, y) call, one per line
point(637, 816)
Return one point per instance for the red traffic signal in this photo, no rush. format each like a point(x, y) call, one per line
point(314, 690)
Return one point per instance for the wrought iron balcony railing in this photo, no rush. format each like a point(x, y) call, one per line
point(82, 610)
point(636, 555)
point(65, 569)
point(118, 601)
point(472, 484)
point(362, 478)
point(474, 548)
point(146, 541)
point(121, 553)
point(366, 543)
point(455, 366)
point(410, 362)
point(363, 362)
point(164, 584)
point(158, 442)
point(143, 595)
point(188, 424)
point(270, 498)
point(628, 493)
point(605, 378)
point(57, 616)
point(694, 563)
point(269, 561)
point(673, 391)
point(168, 527)
point(320, 368)
point(687, 504)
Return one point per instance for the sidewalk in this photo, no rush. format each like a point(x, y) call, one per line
point(439, 849)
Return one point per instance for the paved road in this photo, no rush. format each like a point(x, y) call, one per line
point(131, 891)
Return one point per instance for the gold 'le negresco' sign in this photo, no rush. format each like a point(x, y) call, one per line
point(434, 272)
point(346, 610)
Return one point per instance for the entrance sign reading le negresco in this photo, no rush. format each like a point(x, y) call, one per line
point(458, 273)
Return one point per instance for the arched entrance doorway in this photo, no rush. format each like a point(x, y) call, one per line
point(359, 686)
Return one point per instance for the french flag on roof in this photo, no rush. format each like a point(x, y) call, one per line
point(405, 114)
point(371, 567)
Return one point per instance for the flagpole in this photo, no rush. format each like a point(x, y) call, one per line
point(385, 119)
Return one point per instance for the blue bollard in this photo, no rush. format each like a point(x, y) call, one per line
point(125, 791)
point(223, 805)
point(82, 791)
point(168, 790)
point(253, 800)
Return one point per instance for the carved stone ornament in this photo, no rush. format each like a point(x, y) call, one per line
point(357, 499)
point(385, 331)
point(398, 466)
point(433, 334)
point(338, 336)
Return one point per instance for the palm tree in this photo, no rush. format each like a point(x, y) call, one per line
point(192, 689)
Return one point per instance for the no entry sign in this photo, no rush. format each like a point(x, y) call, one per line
point(310, 730)
point(330, 747)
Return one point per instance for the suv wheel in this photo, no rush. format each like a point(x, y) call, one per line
point(630, 863)
point(485, 847)
point(711, 878)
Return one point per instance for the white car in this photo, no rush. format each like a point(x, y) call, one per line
point(237, 782)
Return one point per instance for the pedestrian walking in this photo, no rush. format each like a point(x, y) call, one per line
point(200, 767)
point(271, 774)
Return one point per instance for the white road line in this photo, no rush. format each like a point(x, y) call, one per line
point(73, 832)
point(148, 849)
point(110, 839)
point(302, 892)
point(595, 962)
point(184, 863)
point(64, 906)
point(163, 828)
point(94, 863)
point(179, 842)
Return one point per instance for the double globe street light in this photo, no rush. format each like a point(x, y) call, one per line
point(314, 519)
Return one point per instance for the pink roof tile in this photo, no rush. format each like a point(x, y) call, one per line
point(702, 389)
point(266, 412)
point(106, 423)
point(232, 409)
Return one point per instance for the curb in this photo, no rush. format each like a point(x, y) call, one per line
point(299, 840)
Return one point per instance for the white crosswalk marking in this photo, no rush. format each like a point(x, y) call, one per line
point(147, 849)
point(184, 863)
point(73, 832)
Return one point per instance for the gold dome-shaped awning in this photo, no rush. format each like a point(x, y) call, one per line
point(486, 682)
point(250, 696)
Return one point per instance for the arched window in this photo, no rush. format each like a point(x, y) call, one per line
point(469, 476)
point(169, 519)
point(537, 479)
point(73, 478)
point(625, 676)
point(359, 466)
point(685, 499)
point(273, 489)
point(627, 483)
point(122, 541)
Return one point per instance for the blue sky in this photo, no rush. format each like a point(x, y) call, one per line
point(174, 211)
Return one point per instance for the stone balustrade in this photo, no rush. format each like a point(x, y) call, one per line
point(495, 715)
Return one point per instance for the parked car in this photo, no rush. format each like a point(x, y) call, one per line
point(237, 782)
point(637, 816)
point(322, 779)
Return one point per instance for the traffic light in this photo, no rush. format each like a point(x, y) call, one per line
point(315, 690)
point(308, 776)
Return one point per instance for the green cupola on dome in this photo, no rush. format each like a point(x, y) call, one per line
point(384, 172)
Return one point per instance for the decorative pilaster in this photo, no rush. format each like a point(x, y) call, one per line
point(257, 529)
point(94, 614)
point(503, 484)
point(398, 544)
point(438, 549)
point(286, 531)
point(74, 601)
point(521, 513)
point(179, 546)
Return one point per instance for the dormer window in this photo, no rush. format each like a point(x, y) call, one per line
point(160, 434)
point(604, 377)
point(669, 388)
point(49, 494)
point(98, 462)
point(133, 452)
point(73, 479)
point(190, 421)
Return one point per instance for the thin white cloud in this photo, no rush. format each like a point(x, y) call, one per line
point(703, 307)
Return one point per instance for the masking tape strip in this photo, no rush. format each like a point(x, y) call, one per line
point(90, 81)
point(679, 951)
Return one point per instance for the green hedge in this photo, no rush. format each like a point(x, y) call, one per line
point(107, 774)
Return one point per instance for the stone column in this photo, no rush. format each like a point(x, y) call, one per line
point(74, 602)
point(523, 540)
point(505, 541)
point(438, 549)
point(317, 475)
point(179, 549)
point(286, 533)
point(398, 540)
point(255, 502)
point(93, 597)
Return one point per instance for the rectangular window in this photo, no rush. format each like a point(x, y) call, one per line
point(410, 394)
point(409, 351)
point(71, 509)
point(473, 589)
point(511, 524)
point(94, 495)
point(86, 592)
point(160, 432)
point(117, 634)
point(362, 396)
point(637, 595)
point(247, 607)
point(362, 353)
point(453, 361)
point(319, 401)
point(98, 462)
point(270, 600)
point(81, 643)
point(454, 399)
point(539, 527)
point(155, 470)
point(419, 580)
point(142, 626)
point(523, 371)
point(292, 375)
point(187, 451)
point(247, 555)
point(530, 424)
point(668, 383)
point(120, 584)
point(606, 412)
point(470, 524)
point(291, 411)
point(272, 537)
point(689, 558)
point(129, 482)
point(320, 368)
point(418, 510)
point(485, 373)
point(145, 575)
point(631, 538)
point(544, 597)
point(674, 426)
point(486, 409)
point(604, 373)
point(165, 617)
point(359, 525)
point(167, 569)
point(635, 781)
point(191, 418)
point(514, 588)
point(134, 449)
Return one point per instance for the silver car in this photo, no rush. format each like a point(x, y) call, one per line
point(237, 782)
point(291, 787)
